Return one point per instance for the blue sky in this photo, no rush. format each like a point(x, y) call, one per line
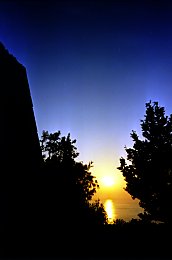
point(92, 66)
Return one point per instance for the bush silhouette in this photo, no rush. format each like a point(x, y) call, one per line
point(148, 173)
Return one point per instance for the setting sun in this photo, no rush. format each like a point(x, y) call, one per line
point(108, 180)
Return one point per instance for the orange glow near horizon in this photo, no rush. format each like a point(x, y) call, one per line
point(117, 202)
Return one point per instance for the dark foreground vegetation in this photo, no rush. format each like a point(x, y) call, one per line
point(148, 169)
point(131, 241)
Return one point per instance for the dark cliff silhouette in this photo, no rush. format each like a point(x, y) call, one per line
point(20, 139)
point(20, 153)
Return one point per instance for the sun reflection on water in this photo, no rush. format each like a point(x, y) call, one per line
point(110, 210)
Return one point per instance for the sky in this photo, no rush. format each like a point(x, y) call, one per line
point(91, 67)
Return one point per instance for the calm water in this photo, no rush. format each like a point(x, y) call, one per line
point(122, 211)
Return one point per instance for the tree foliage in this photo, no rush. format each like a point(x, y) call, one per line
point(98, 212)
point(148, 172)
point(60, 153)
point(62, 148)
point(75, 183)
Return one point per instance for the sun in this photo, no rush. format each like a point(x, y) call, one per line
point(108, 180)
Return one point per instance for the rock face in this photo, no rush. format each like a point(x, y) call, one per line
point(20, 153)
point(19, 139)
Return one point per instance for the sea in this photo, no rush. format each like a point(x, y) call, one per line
point(125, 211)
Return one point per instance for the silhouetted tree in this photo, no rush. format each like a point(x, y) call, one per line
point(98, 212)
point(62, 148)
point(148, 173)
point(60, 152)
point(119, 222)
point(75, 184)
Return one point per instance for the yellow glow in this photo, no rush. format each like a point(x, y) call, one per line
point(109, 207)
point(108, 176)
point(108, 180)
point(117, 202)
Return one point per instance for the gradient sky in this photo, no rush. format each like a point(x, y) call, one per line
point(92, 66)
